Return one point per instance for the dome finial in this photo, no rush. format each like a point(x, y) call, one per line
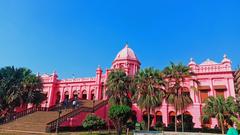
point(192, 62)
point(191, 59)
point(225, 56)
point(99, 67)
point(126, 46)
point(225, 59)
point(54, 72)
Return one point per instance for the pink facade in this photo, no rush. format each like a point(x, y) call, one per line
point(215, 79)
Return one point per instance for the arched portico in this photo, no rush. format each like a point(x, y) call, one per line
point(75, 94)
point(92, 95)
point(158, 117)
point(66, 95)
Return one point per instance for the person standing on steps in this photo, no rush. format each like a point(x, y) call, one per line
point(74, 103)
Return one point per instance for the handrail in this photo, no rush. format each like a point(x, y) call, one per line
point(17, 115)
point(52, 125)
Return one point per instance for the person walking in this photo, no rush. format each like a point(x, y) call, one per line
point(74, 103)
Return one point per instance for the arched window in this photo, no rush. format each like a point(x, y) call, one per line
point(84, 94)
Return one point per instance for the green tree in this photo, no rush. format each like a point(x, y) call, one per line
point(149, 93)
point(19, 86)
point(32, 87)
point(119, 114)
point(118, 88)
point(237, 87)
point(175, 76)
point(93, 122)
point(218, 107)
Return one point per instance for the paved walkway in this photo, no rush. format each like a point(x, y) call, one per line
point(19, 132)
point(187, 133)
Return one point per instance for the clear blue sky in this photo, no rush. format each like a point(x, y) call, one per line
point(74, 37)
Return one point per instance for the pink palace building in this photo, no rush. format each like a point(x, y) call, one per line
point(215, 79)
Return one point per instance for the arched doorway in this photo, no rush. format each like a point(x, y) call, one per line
point(92, 95)
point(134, 116)
point(187, 120)
point(58, 97)
point(171, 117)
point(84, 94)
point(145, 118)
point(66, 95)
point(158, 115)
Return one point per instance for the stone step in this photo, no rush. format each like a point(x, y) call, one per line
point(37, 121)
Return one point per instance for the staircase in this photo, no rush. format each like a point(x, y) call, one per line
point(86, 108)
point(33, 122)
point(37, 121)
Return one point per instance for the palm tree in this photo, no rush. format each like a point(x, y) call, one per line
point(19, 86)
point(33, 89)
point(175, 76)
point(149, 93)
point(237, 87)
point(218, 107)
point(118, 87)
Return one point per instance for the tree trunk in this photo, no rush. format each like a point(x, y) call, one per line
point(176, 122)
point(221, 123)
point(182, 121)
point(119, 131)
point(175, 118)
point(182, 124)
point(118, 127)
point(148, 119)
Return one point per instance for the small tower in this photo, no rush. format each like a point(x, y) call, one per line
point(98, 74)
point(192, 64)
point(227, 62)
point(54, 76)
point(98, 82)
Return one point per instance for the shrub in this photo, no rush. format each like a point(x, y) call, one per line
point(93, 122)
point(159, 125)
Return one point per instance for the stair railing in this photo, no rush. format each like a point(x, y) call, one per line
point(16, 115)
point(52, 125)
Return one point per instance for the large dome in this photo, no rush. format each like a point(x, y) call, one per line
point(126, 53)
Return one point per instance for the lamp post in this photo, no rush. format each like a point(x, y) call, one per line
point(93, 104)
point(59, 114)
point(46, 105)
